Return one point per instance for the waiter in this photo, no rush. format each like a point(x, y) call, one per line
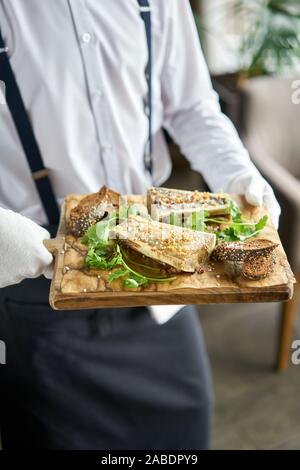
point(90, 84)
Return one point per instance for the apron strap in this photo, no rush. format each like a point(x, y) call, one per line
point(145, 11)
point(25, 132)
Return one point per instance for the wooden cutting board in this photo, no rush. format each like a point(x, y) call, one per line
point(75, 287)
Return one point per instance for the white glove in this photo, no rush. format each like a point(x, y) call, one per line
point(22, 253)
point(257, 192)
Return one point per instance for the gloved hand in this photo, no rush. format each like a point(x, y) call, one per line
point(257, 192)
point(22, 253)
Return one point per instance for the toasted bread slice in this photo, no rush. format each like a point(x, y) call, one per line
point(183, 249)
point(162, 202)
point(241, 251)
point(258, 267)
point(91, 209)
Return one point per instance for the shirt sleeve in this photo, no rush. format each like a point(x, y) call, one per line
point(192, 113)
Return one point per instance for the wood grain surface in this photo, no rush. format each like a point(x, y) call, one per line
point(76, 287)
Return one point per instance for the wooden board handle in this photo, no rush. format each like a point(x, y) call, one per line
point(51, 245)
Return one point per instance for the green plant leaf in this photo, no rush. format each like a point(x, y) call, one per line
point(117, 273)
point(261, 223)
point(95, 260)
point(130, 283)
point(270, 40)
point(90, 236)
point(239, 231)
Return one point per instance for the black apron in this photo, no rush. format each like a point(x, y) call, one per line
point(100, 379)
point(95, 379)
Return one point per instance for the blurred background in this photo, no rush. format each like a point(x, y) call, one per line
point(252, 48)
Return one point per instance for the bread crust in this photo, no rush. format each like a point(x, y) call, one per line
point(241, 251)
point(91, 209)
point(254, 259)
point(258, 267)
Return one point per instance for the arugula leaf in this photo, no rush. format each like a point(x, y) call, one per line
point(117, 273)
point(97, 235)
point(242, 231)
point(95, 260)
point(116, 259)
point(135, 281)
point(237, 228)
point(102, 256)
point(130, 283)
point(90, 237)
point(261, 223)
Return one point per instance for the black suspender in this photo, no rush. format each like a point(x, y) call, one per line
point(146, 15)
point(27, 138)
point(25, 131)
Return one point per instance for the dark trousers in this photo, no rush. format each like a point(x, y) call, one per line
point(100, 379)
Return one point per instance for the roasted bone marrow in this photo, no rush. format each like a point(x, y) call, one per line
point(181, 248)
point(162, 202)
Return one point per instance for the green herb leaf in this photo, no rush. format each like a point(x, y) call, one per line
point(242, 231)
point(130, 283)
point(90, 236)
point(94, 260)
point(114, 261)
point(117, 273)
point(261, 223)
point(135, 281)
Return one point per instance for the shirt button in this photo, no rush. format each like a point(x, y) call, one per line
point(86, 37)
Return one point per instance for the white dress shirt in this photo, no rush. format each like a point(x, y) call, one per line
point(80, 66)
